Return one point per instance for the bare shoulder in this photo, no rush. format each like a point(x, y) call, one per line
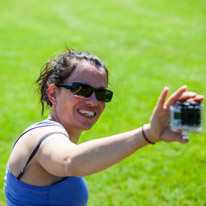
point(28, 142)
point(32, 137)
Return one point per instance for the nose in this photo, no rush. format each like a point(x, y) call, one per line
point(91, 101)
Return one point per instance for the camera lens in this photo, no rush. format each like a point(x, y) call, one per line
point(190, 116)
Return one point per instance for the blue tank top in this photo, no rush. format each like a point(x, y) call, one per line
point(71, 191)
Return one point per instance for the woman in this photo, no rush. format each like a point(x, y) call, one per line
point(46, 166)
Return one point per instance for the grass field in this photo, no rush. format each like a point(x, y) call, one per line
point(147, 45)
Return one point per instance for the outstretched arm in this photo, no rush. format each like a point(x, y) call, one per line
point(60, 157)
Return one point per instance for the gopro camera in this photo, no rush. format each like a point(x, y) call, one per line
point(187, 117)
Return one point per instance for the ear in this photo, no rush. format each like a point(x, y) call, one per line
point(52, 93)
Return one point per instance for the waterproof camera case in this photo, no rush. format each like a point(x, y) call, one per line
point(187, 117)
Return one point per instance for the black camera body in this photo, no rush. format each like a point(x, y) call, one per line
point(187, 117)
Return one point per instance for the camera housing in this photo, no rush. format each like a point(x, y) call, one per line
point(187, 117)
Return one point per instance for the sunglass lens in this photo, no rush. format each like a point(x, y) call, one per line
point(82, 89)
point(104, 95)
point(85, 90)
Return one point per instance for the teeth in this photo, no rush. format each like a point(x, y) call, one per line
point(87, 113)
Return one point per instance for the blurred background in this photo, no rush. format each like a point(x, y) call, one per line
point(146, 45)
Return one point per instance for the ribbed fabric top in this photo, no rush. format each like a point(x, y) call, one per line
point(71, 191)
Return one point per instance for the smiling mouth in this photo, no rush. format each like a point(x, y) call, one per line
point(87, 113)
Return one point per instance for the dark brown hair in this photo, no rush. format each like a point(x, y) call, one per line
point(58, 69)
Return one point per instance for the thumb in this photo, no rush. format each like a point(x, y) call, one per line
point(181, 138)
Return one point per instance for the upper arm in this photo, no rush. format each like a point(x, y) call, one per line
point(54, 154)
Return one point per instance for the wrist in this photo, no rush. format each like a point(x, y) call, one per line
point(148, 134)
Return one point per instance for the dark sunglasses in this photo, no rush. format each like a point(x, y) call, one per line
point(85, 90)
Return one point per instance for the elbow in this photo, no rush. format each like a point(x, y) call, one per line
point(72, 168)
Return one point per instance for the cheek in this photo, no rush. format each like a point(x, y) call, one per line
point(68, 98)
point(102, 106)
point(67, 102)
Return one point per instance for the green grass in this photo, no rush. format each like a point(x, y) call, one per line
point(147, 45)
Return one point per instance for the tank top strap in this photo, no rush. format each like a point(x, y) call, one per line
point(44, 123)
point(35, 151)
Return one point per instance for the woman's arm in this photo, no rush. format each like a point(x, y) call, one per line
point(60, 157)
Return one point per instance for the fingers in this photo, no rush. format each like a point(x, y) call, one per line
point(191, 96)
point(187, 96)
point(180, 95)
point(162, 98)
point(175, 96)
point(197, 98)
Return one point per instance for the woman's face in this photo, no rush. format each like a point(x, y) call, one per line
point(79, 113)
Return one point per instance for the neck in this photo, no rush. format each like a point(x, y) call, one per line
point(74, 135)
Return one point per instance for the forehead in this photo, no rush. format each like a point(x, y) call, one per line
point(90, 74)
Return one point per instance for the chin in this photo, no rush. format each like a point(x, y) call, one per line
point(86, 126)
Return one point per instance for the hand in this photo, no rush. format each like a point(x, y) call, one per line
point(158, 128)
